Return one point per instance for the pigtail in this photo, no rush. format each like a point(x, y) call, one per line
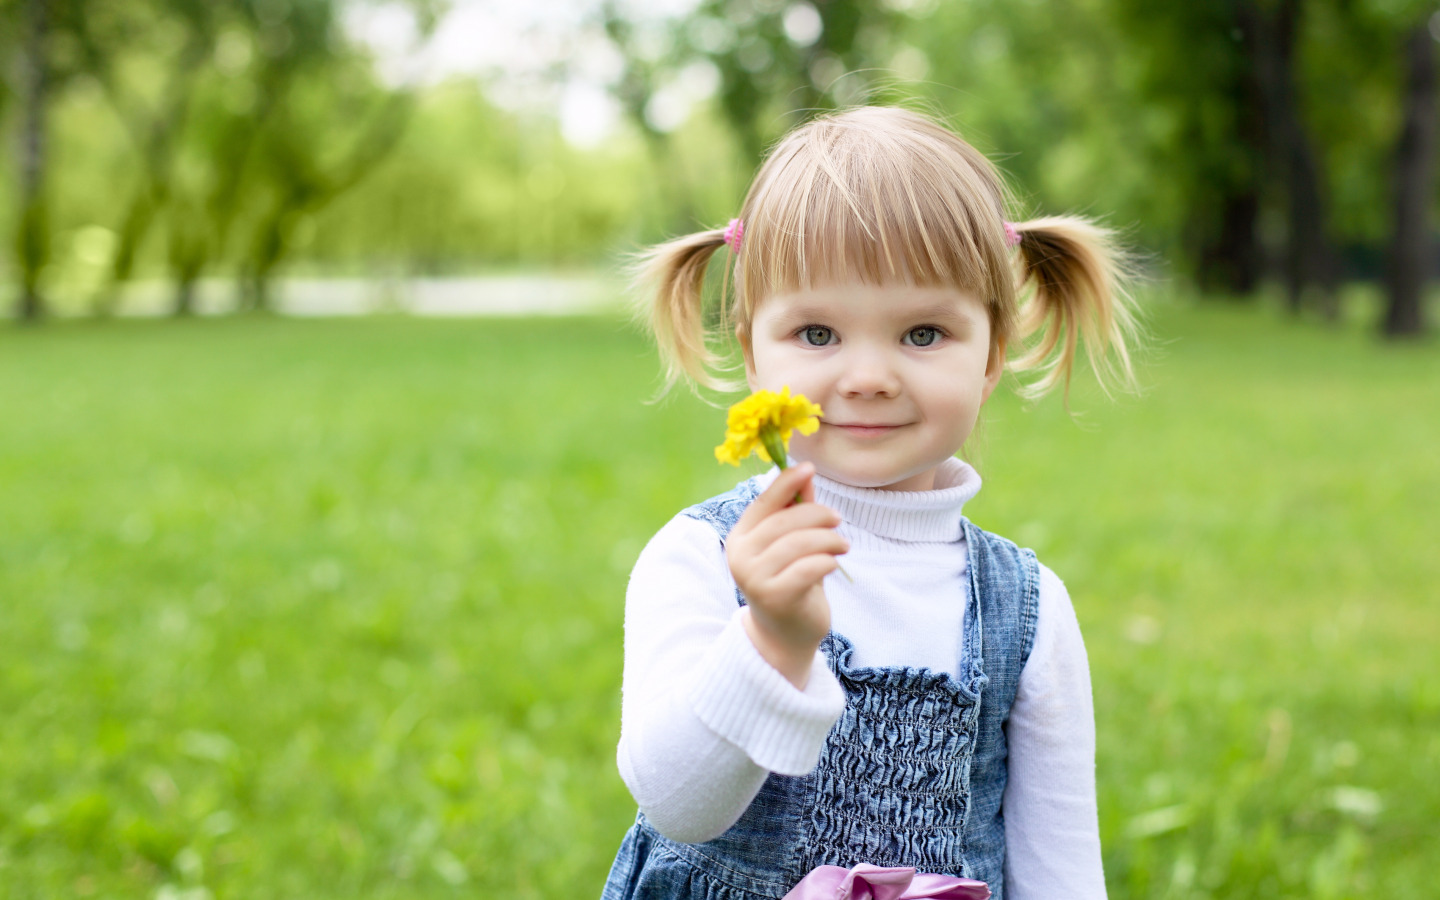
point(670, 280)
point(1076, 274)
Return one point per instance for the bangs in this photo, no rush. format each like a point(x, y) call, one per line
point(849, 199)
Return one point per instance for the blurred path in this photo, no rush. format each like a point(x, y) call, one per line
point(491, 295)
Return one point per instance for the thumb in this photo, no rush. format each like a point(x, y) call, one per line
point(806, 491)
point(792, 483)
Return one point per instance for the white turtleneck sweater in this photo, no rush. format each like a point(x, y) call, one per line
point(705, 719)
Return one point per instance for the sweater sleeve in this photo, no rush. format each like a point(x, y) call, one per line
point(704, 719)
point(1052, 832)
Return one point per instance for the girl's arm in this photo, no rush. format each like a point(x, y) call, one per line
point(1052, 832)
point(704, 718)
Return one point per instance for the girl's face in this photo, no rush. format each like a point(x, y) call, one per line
point(900, 371)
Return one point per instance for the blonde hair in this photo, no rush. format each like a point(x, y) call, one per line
point(881, 196)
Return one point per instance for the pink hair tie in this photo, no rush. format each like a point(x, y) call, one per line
point(1012, 234)
point(734, 232)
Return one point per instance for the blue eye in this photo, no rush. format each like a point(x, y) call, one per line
point(817, 335)
point(923, 336)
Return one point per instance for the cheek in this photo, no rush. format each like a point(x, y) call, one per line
point(962, 397)
point(776, 366)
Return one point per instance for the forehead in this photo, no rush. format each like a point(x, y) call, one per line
point(871, 302)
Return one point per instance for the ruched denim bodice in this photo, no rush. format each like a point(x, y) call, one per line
point(912, 774)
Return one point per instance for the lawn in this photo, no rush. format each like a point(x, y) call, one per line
point(331, 608)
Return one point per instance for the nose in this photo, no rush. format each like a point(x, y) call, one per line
point(868, 372)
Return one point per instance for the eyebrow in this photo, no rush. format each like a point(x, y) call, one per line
point(805, 312)
point(943, 311)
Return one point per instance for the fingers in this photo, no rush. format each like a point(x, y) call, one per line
point(776, 576)
point(775, 511)
point(796, 480)
point(791, 548)
point(803, 574)
point(774, 543)
point(807, 486)
point(781, 550)
point(794, 518)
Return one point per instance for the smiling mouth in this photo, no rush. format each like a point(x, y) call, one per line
point(858, 429)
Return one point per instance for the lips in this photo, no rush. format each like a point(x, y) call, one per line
point(863, 429)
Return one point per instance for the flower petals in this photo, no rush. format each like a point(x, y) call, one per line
point(765, 411)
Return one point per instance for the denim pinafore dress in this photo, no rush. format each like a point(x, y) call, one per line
point(911, 775)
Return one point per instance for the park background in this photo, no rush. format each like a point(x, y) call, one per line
point(325, 449)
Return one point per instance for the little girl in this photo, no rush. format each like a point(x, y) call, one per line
point(930, 706)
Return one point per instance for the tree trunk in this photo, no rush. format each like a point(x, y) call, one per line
point(1230, 260)
point(33, 244)
point(132, 231)
point(253, 290)
point(1222, 231)
point(187, 271)
point(189, 252)
point(1230, 255)
point(259, 270)
point(184, 299)
point(1411, 258)
point(1309, 258)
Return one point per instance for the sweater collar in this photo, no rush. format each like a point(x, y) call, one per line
point(916, 516)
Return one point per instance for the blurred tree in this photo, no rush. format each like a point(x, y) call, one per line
point(1226, 72)
point(648, 59)
point(1412, 247)
point(40, 61)
point(307, 157)
point(1372, 83)
point(1197, 68)
point(779, 62)
point(306, 120)
point(1228, 134)
point(178, 38)
point(1270, 33)
point(473, 185)
point(776, 61)
point(34, 82)
point(1056, 101)
point(238, 112)
point(232, 107)
point(9, 12)
point(1281, 103)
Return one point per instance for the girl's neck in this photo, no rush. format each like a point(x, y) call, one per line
point(936, 515)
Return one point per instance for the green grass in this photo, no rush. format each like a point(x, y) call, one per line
point(332, 608)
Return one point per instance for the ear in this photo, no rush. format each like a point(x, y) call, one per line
point(994, 368)
point(742, 334)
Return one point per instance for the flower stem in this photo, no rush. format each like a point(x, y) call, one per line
point(776, 449)
point(774, 446)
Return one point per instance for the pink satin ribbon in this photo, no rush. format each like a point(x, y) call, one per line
point(867, 882)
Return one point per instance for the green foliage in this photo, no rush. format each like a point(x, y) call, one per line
point(773, 72)
point(1052, 98)
point(469, 184)
point(333, 608)
point(1192, 68)
point(236, 120)
point(1353, 51)
point(235, 138)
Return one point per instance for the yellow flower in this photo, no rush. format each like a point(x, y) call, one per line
point(762, 424)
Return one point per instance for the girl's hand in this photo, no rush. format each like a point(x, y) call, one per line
point(779, 552)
